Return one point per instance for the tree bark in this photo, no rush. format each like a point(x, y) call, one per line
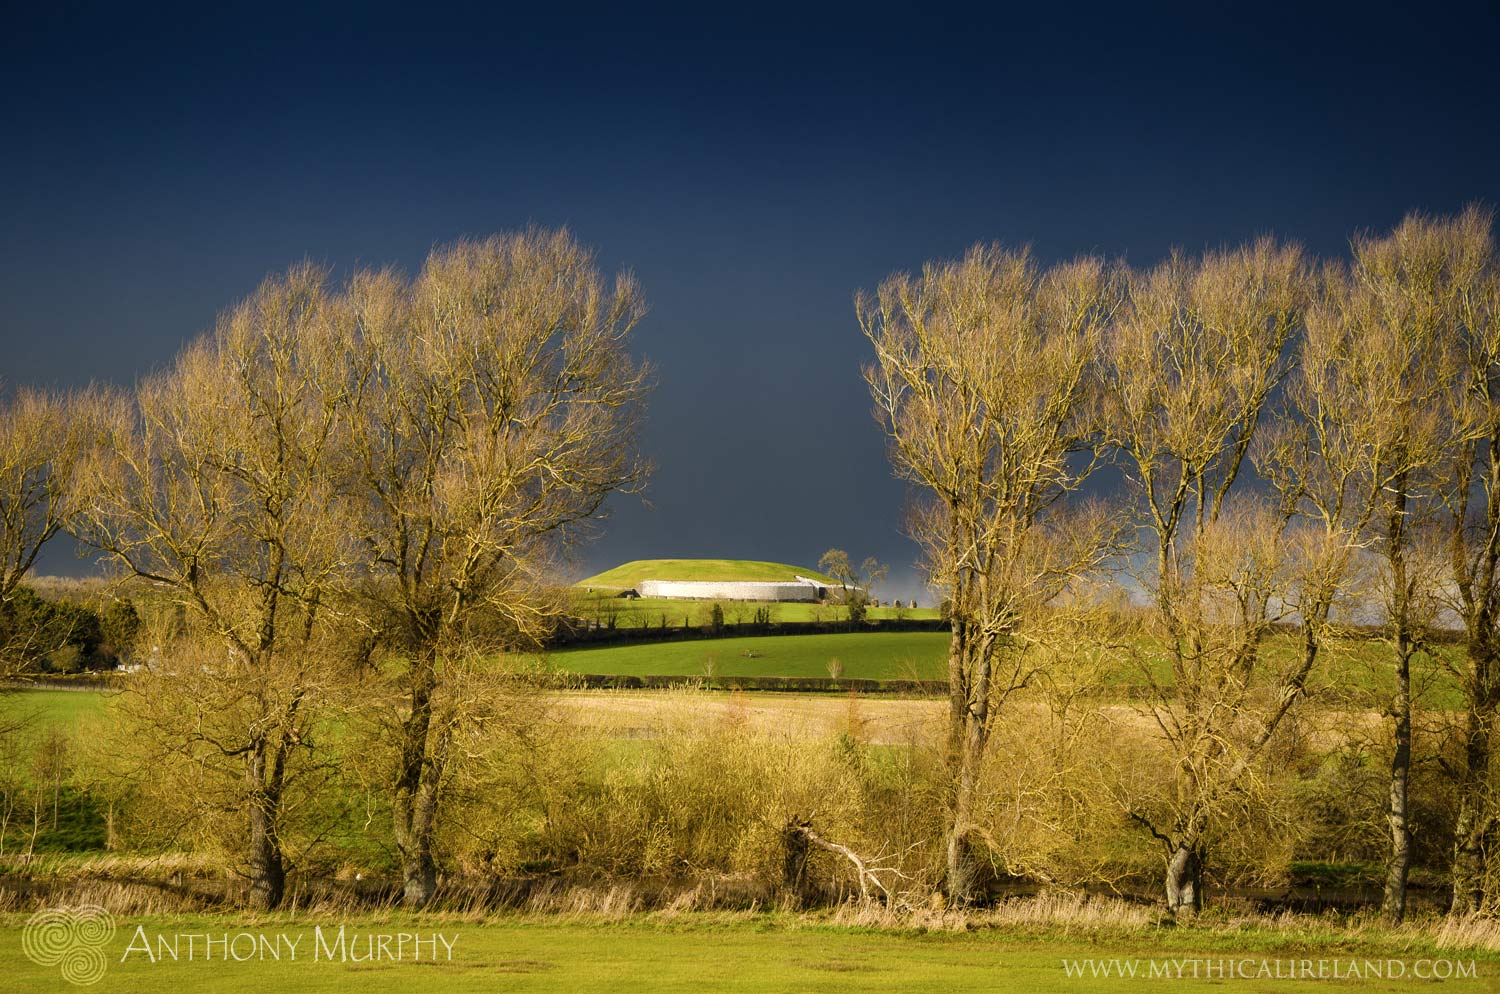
point(1398, 814)
point(415, 803)
point(1475, 823)
point(1475, 563)
point(1393, 906)
point(1184, 880)
point(958, 690)
point(267, 864)
point(961, 866)
point(959, 858)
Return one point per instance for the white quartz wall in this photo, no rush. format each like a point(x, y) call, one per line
point(728, 590)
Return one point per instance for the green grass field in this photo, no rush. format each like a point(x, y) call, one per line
point(1361, 666)
point(32, 720)
point(36, 710)
point(865, 655)
point(694, 954)
point(629, 574)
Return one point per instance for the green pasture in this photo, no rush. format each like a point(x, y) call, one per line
point(33, 712)
point(38, 728)
point(1358, 668)
point(697, 953)
point(865, 655)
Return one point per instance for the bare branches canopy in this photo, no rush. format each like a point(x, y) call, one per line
point(1285, 430)
point(393, 461)
point(985, 382)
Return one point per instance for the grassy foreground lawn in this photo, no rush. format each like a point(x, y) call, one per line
point(706, 953)
point(865, 655)
point(39, 709)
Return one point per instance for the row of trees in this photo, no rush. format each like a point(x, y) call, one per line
point(64, 636)
point(357, 492)
point(1290, 432)
point(360, 481)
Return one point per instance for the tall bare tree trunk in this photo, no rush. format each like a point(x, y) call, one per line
point(1184, 879)
point(1475, 559)
point(1393, 906)
point(1475, 823)
point(267, 864)
point(958, 693)
point(973, 740)
point(985, 384)
point(1398, 814)
point(960, 865)
point(957, 859)
point(415, 803)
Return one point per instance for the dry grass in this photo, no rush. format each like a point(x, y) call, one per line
point(1471, 932)
point(113, 865)
point(1050, 909)
point(888, 720)
point(725, 899)
point(627, 714)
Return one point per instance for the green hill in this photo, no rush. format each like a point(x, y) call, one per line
point(632, 573)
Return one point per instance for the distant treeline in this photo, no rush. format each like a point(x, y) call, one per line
point(575, 631)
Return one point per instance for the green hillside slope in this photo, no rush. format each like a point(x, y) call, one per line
point(632, 573)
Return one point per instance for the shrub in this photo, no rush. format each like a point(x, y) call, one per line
point(65, 659)
point(34, 629)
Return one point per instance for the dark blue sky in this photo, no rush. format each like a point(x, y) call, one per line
point(754, 167)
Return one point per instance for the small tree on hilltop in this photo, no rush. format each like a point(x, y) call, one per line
point(856, 583)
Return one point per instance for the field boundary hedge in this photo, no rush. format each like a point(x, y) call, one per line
point(785, 684)
point(52, 681)
point(582, 633)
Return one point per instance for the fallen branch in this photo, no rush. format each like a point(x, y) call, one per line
point(866, 870)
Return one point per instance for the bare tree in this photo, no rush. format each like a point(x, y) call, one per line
point(1399, 309)
point(1365, 434)
point(211, 483)
point(41, 437)
point(1444, 273)
point(1194, 358)
point(856, 582)
point(493, 408)
point(984, 381)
